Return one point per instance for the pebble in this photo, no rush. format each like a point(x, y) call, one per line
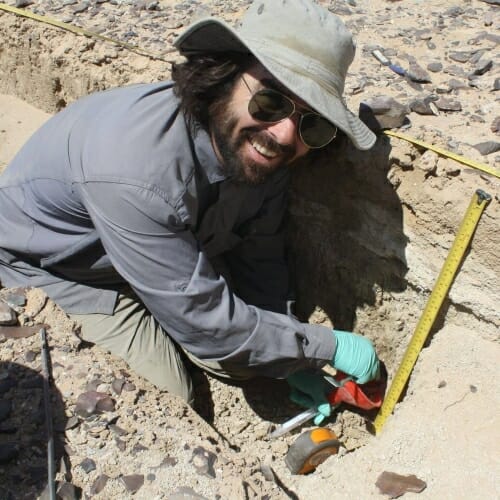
point(99, 484)
point(448, 104)
point(133, 483)
point(7, 314)
point(383, 112)
point(435, 67)
point(488, 147)
point(203, 461)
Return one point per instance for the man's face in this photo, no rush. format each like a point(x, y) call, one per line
point(251, 150)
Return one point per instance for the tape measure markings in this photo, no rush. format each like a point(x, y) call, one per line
point(464, 235)
point(82, 31)
point(445, 153)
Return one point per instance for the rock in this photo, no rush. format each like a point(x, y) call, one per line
point(88, 465)
point(67, 491)
point(482, 67)
point(418, 74)
point(496, 84)
point(495, 127)
point(488, 147)
point(448, 104)
point(7, 314)
point(427, 162)
point(15, 299)
point(383, 112)
point(424, 106)
point(203, 461)
point(435, 67)
point(99, 484)
point(394, 485)
point(460, 56)
point(92, 402)
point(133, 483)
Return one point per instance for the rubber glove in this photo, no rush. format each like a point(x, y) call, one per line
point(356, 356)
point(309, 389)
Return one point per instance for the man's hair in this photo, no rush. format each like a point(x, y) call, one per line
point(205, 79)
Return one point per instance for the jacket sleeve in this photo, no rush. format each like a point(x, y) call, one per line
point(159, 257)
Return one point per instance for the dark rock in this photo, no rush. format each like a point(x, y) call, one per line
point(203, 461)
point(394, 485)
point(7, 314)
point(435, 67)
point(8, 452)
point(72, 422)
point(5, 409)
point(418, 74)
point(491, 2)
point(383, 112)
point(81, 8)
point(117, 430)
point(444, 104)
point(94, 384)
point(137, 448)
point(23, 3)
point(92, 402)
point(133, 483)
point(88, 465)
point(460, 56)
point(117, 385)
point(99, 484)
point(18, 332)
point(169, 461)
point(121, 445)
point(488, 147)
point(423, 106)
point(129, 387)
point(67, 491)
point(30, 356)
point(482, 67)
point(496, 84)
point(151, 477)
point(495, 127)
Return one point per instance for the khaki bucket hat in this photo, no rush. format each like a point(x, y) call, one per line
point(304, 46)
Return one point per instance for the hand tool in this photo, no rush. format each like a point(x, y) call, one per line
point(345, 390)
point(310, 449)
point(464, 235)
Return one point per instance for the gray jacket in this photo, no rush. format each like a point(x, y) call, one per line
point(115, 191)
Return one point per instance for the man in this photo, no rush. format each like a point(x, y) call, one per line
point(153, 214)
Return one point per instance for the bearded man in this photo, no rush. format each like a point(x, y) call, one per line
point(153, 214)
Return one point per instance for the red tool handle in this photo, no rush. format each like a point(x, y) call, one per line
point(366, 396)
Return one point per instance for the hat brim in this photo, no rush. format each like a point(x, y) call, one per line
point(214, 35)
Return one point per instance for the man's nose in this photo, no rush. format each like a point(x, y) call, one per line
point(286, 132)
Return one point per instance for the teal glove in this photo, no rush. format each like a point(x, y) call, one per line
point(309, 389)
point(355, 356)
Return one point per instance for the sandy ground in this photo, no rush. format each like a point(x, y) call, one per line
point(446, 430)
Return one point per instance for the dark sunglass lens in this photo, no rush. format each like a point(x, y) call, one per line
point(269, 106)
point(316, 131)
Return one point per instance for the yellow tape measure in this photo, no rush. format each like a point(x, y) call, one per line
point(464, 235)
point(84, 32)
point(445, 153)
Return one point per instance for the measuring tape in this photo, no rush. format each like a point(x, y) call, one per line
point(444, 152)
point(476, 207)
point(84, 32)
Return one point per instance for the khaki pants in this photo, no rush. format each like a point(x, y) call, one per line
point(134, 335)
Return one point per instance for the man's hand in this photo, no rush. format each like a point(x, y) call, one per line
point(309, 389)
point(355, 356)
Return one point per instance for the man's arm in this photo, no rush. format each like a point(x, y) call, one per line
point(159, 257)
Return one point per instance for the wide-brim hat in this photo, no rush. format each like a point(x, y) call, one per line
point(304, 46)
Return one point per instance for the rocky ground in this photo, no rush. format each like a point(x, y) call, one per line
point(116, 436)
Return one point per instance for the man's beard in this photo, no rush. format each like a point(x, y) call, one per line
point(233, 165)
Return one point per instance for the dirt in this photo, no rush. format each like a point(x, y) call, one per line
point(382, 224)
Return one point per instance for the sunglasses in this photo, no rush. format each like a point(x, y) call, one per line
point(271, 106)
